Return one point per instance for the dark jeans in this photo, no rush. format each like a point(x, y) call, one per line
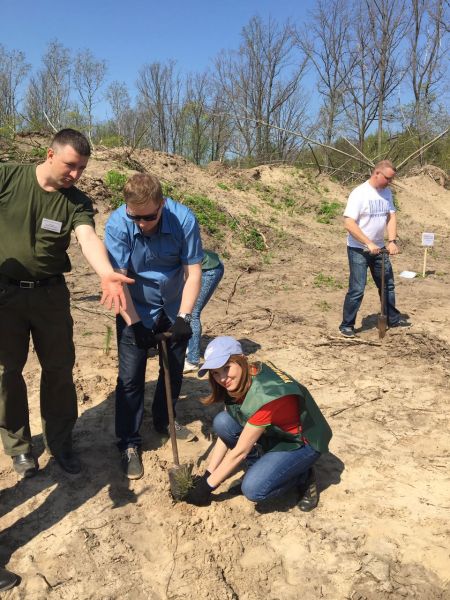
point(359, 261)
point(271, 474)
point(131, 384)
point(210, 280)
point(43, 313)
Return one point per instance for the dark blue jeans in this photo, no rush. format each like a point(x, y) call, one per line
point(131, 383)
point(359, 261)
point(271, 474)
point(210, 280)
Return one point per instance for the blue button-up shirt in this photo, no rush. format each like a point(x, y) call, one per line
point(156, 262)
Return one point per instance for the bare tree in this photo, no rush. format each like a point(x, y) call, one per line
point(257, 80)
point(49, 90)
point(160, 97)
point(427, 49)
point(196, 117)
point(89, 75)
point(13, 70)
point(325, 40)
point(119, 99)
point(387, 22)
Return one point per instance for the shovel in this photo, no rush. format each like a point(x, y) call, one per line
point(180, 476)
point(382, 318)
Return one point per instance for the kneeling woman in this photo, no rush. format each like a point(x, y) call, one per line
point(271, 424)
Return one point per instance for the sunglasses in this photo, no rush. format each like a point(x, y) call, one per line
point(386, 177)
point(150, 217)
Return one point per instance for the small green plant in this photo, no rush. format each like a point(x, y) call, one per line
point(115, 182)
point(223, 186)
point(108, 335)
point(327, 281)
point(327, 211)
point(253, 239)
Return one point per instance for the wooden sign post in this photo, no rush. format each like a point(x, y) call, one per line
point(427, 242)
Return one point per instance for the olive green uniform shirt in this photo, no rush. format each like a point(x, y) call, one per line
point(35, 225)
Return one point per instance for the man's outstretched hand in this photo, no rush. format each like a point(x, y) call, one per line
point(112, 291)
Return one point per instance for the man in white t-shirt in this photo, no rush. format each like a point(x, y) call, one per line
point(370, 212)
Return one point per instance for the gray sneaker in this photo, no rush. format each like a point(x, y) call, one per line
point(184, 433)
point(132, 463)
point(348, 332)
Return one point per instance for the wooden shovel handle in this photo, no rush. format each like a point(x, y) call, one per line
point(165, 361)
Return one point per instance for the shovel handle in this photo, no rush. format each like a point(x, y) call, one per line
point(165, 361)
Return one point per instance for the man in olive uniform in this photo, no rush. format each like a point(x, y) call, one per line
point(39, 207)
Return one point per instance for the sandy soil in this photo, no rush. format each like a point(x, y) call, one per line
point(381, 529)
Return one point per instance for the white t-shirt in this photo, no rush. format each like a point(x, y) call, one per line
point(370, 208)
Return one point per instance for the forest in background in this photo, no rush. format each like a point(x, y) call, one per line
point(381, 89)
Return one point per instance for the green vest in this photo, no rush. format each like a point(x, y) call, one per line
point(210, 260)
point(268, 385)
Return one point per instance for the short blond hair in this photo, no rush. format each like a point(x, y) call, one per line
point(143, 188)
point(384, 164)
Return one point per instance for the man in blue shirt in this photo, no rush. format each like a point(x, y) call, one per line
point(158, 241)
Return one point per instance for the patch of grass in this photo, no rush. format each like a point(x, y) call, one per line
point(253, 239)
point(324, 305)
point(241, 186)
point(207, 212)
point(327, 211)
point(327, 281)
point(39, 152)
point(115, 182)
point(223, 186)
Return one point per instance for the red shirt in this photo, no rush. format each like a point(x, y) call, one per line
point(283, 412)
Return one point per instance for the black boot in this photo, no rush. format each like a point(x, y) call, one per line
point(25, 465)
point(309, 494)
point(7, 579)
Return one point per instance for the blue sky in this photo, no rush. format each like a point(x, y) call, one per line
point(131, 33)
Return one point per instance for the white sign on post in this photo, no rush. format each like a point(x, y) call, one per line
point(427, 242)
point(428, 239)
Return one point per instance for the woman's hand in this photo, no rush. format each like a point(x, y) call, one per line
point(200, 493)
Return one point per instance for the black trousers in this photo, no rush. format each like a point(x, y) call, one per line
point(43, 313)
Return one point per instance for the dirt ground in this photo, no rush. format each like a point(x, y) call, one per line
point(381, 530)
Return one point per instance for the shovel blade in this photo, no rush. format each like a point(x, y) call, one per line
point(382, 326)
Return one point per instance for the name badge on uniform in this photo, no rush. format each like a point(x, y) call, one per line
point(51, 225)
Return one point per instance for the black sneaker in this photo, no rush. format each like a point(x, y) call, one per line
point(402, 322)
point(347, 331)
point(131, 463)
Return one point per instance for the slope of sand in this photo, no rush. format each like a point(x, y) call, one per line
point(381, 528)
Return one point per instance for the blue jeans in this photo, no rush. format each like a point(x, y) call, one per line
point(271, 474)
point(210, 280)
point(131, 383)
point(359, 260)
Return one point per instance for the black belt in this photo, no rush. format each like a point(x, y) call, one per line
point(55, 280)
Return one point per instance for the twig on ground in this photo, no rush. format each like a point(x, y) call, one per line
point(93, 311)
point(346, 341)
point(233, 289)
point(341, 410)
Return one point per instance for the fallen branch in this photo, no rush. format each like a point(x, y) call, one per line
point(347, 342)
point(233, 290)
